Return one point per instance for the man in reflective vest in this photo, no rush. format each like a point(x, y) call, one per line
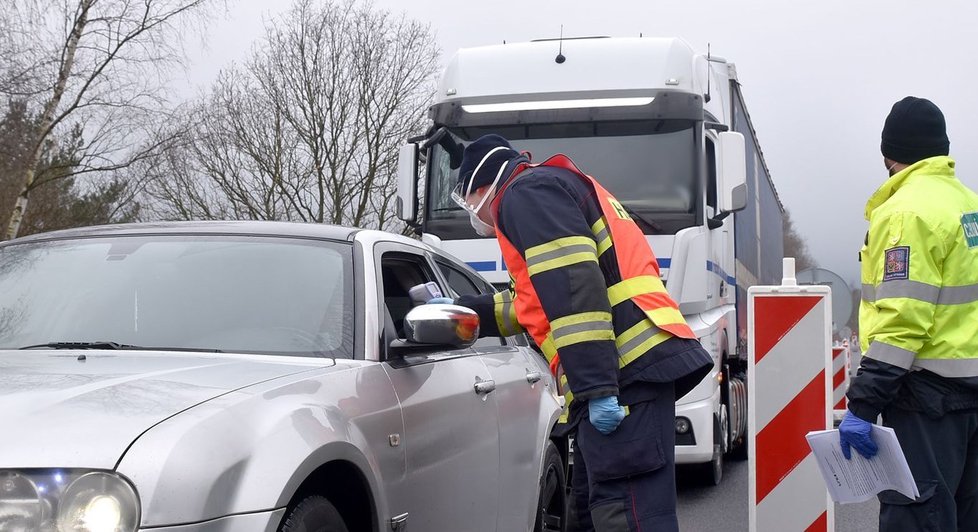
point(586, 286)
point(918, 324)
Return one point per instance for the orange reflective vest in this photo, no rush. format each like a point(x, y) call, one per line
point(637, 266)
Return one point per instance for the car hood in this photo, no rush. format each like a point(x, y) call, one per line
point(59, 409)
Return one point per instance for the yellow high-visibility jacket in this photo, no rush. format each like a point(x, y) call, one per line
point(919, 307)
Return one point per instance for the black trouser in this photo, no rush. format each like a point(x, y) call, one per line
point(943, 457)
point(626, 480)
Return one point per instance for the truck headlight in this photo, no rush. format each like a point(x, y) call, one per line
point(67, 501)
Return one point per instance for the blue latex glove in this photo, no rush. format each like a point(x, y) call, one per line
point(605, 414)
point(440, 301)
point(855, 431)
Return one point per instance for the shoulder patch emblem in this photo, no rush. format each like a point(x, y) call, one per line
point(969, 222)
point(897, 263)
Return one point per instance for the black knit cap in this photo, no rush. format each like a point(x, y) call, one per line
point(914, 130)
point(473, 155)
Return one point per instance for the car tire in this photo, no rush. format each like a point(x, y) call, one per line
point(552, 505)
point(313, 514)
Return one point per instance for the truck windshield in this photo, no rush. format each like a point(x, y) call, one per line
point(650, 166)
point(262, 295)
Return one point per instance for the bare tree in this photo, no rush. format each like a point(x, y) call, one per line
point(95, 64)
point(61, 202)
point(795, 246)
point(309, 128)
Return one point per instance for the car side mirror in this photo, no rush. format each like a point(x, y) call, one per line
point(732, 171)
point(438, 326)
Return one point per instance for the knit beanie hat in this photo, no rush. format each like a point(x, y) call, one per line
point(475, 153)
point(914, 130)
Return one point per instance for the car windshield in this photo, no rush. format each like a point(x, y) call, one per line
point(240, 294)
point(650, 166)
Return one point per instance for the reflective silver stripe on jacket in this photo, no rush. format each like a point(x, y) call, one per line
point(949, 367)
point(891, 354)
point(947, 295)
point(908, 289)
point(958, 295)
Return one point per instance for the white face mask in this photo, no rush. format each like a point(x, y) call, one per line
point(481, 228)
point(459, 195)
point(890, 169)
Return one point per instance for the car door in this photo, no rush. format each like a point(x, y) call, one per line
point(450, 437)
point(521, 387)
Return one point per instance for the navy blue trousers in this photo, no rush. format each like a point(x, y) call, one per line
point(626, 481)
point(943, 457)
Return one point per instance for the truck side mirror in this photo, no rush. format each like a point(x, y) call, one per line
point(732, 166)
point(407, 183)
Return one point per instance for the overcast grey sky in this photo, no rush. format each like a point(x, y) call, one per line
point(819, 78)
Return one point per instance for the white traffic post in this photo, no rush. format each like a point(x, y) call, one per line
point(789, 375)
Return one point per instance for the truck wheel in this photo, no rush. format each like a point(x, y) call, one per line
point(739, 451)
point(711, 473)
point(552, 507)
point(313, 514)
point(724, 430)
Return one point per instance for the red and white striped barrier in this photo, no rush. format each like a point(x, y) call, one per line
point(789, 394)
point(840, 376)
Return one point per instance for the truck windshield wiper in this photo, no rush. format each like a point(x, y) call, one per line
point(652, 224)
point(80, 345)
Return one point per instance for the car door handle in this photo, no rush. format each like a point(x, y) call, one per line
point(533, 377)
point(484, 387)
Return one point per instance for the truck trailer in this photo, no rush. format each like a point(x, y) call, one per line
point(663, 128)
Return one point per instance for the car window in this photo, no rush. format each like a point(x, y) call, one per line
point(464, 284)
point(459, 282)
point(400, 272)
point(243, 294)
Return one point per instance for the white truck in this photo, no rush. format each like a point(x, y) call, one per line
point(666, 131)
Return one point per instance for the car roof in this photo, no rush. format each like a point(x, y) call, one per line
point(251, 227)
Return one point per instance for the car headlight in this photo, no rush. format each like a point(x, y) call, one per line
point(66, 501)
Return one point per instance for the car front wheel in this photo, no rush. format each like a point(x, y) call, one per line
point(313, 514)
point(552, 508)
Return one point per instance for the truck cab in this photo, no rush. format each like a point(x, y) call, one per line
point(663, 129)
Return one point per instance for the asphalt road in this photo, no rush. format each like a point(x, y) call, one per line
point(724, 507)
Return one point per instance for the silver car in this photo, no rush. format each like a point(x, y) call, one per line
point(262, 376)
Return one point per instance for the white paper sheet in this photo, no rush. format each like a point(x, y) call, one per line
point(859, 479)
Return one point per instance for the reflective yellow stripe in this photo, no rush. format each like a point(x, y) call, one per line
point(560, 253)
point(637, 340)
point(558, 244)
point(568, 399)
point(666, 316)
point(505, 314)
point(629, 288)
point(601, 236)
point(562, 386)
point(549, 348)
point(560, 262)
point(583, 327)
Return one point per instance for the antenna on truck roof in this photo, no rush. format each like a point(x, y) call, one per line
point(560, 50)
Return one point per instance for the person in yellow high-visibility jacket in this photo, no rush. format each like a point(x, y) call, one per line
point(918, 324)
